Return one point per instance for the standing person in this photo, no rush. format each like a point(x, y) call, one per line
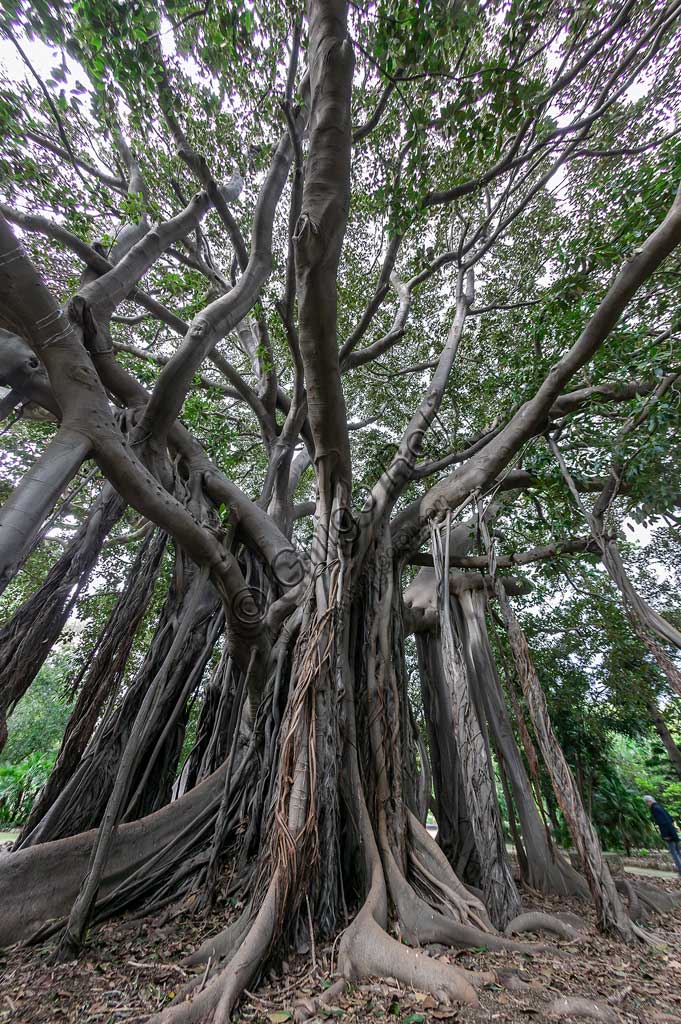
point(663, 820)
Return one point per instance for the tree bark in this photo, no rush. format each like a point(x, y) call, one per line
point(454, 830)
point(27, 639)
point(547, 870)
point(501, 896)
point(663, 732)
point(610, 914)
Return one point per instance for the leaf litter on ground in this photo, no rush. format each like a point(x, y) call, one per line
point(130, 969)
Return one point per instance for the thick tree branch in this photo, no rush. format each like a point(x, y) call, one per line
point(319, 237)
point(58, 340)
point(222, 315)
point(106, 179)
point(532, 416)
point(558, 549)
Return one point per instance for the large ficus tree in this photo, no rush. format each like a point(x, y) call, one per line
point(318, 325)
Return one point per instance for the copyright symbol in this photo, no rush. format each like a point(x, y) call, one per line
point(345, 524)
point(248, 606)
point(287, 568)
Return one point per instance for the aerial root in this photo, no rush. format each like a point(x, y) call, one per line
point(535, 921)
point(577, 1006)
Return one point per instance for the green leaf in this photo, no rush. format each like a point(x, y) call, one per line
point(279, 1016)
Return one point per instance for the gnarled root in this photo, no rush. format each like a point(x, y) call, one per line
point(636, 911)
point(421, 924)
point(218, 947)
point(40, 883)
point(431, 860)
point(306, 1008)
point(366, 950)
point(216, 1002)
point(536, 921)
point(659, 901)
point(576, 1006)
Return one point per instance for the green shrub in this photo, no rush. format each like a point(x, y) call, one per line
point(19, 786)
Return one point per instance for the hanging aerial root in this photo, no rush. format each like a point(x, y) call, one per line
point(535, 921)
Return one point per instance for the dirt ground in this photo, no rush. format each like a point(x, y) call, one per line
point(131, 969)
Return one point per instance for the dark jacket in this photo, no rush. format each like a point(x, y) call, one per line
point(664, 822)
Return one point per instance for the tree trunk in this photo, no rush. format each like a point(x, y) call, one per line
point(610, 913)
point(501, 896)
point(663, 732)
point(99, 684)
point(27, 639)
point(547, 870)
point(454, 829)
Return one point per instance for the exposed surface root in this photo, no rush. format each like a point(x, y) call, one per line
point(636, 912)
point(430, 858)
point(218, 947)
point(218, 998)
point(660, 902)
point(576, 1006)
point(513, 983)
point(40, 883)
point(306, 1008)
point(368, 951)
point(536, 922)
point(574, 919)
point(421, 924)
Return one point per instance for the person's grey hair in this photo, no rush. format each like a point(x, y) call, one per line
point(649, 799)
